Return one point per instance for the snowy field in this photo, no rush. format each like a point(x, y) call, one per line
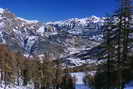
point(79, 80)
point(80, 84)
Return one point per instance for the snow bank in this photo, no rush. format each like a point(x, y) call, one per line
point(79, 77)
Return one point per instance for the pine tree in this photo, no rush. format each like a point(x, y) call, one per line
point(124, 15)
point(116, 47)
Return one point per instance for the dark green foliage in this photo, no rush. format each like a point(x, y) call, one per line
point(116, 70)
point(68, 82)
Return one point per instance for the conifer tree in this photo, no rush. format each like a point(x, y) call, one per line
point(116, 46)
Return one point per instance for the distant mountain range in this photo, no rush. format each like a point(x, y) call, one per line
point(60, 39)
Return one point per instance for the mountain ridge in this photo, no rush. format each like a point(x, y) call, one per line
point(59, 39)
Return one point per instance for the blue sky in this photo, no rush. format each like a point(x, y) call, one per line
point(53, 10)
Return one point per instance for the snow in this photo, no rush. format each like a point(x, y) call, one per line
point(2, 25)
point(56, 22)
point(17, 87)
point(129, 88)
point(96, 37)
point(76, 61)
point(41, 30)
point(28, 21)
point(82, 21)
point(79, 80)
point(12, 86)
point(73, 50)
point(129, 85)
point(31, 41)
point(1, 10)
point(81, 86)
point(79, 77)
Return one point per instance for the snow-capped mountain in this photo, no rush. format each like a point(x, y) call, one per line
point(84, 26)
point(60, 39)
